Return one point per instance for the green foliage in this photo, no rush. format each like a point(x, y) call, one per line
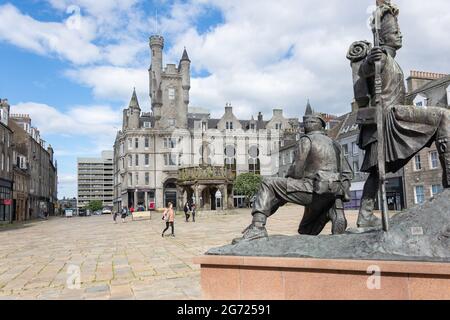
point(247, 184)
point(95, 205)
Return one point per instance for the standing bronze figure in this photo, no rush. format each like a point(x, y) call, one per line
point(319, 179)
point(379, 80)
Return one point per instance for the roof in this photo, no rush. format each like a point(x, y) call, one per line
point(185, 56)
point(134, 103)
point(434, 83)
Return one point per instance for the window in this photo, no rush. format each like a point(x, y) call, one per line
point(130, 179)
point(436, 189)
point(130, 161)
point(419, 193)
point(172, 122)
point(3, 162)
point(130, 143)
point(147, 178)
point(170, 159)
point(355, 149)
point(171, 94)
point(278, 126)
point(170, 143)
point(345, 149)
point(252, 126)
point(136, 143)
point(229, 125)
point(355, 166)
point(147, 142)
point(121, 149)
point(434, 160)
point(417, 163)
point(136, 160)
point(136, 176)
point(147, 159)
point(147, 124)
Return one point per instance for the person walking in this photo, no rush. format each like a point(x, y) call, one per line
point(193, 208)
point(187, 210)
point(169, 218)
point(124, 213)
point(116, 213)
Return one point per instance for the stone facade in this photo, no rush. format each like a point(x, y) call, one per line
point(423, 174)
point(6, 164)
point(40, 165)
point(154, 151)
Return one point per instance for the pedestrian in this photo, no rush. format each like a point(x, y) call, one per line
point(169, 218)
point(193, 208)
point(116, 213)
point(124, 213)
point(131, 210)
point(187, 210)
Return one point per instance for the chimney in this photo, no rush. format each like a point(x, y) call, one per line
point(418, 79)
point(260, 117)
point(278, 112)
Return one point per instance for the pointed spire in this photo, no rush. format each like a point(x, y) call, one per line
point(309, 110)
point(134, 103)
point(185, 56)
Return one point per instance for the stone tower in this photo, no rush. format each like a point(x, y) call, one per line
point(132, 114)
point(169, 87)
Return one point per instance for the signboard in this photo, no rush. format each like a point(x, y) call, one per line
point(152, 206)
point(7, 202)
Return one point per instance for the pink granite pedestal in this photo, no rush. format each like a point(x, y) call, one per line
point(265, 278)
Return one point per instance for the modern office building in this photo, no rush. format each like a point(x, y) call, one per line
point(95, 180)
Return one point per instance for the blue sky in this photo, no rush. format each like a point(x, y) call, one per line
point(72, 64)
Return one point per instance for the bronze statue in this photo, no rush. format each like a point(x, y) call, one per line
point(319, 179)
point(406, 129)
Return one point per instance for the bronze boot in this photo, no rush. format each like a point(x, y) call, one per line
point(366, 218)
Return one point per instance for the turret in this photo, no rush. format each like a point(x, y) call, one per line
point(185, 70)
point(156, 48)
point(134, 112)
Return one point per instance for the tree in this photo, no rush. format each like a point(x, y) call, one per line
point(95, 205)
point(247, 184)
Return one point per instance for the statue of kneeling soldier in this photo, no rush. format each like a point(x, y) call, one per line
point(319, 180)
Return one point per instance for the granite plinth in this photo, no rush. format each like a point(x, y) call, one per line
point(270, 278)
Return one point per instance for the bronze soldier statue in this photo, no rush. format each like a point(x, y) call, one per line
point(319, 179)
point(407, 129)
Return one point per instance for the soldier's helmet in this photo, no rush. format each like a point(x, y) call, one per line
point(310, 114)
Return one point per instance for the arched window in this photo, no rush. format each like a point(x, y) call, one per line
point(230, 157)
point(254, 164)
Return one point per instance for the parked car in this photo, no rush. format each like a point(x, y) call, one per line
point(98, 212)
point(106, 210)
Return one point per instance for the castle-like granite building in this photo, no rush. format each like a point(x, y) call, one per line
point(178, 153)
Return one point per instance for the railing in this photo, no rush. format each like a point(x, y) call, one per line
point(205, 173)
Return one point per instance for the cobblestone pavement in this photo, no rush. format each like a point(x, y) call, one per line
point(119, 261)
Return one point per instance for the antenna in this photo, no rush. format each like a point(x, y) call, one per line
point(156, 21)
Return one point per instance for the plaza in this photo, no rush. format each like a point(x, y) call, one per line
point(121, 261)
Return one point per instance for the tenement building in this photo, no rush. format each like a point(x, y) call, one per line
point(6, 168)
point(35, 162)
point(178, 153)
point(95, 180)
point(423, 173)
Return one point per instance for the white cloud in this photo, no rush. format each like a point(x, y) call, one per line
point(98, 123)
point(115, 83)
point(67, 179)
point(65, 39)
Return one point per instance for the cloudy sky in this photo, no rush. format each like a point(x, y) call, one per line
point(72, 64)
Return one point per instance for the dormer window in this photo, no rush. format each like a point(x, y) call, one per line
point(172, 122)
point(277, 126)
point(252, 126)
point(229, 125)
point(421, 101)
point(147, 124)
